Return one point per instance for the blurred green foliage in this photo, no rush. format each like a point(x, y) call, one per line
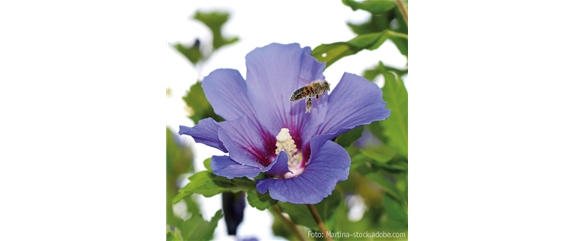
point(200, 107)
point(349, 137)
point(214, 21)
point(193, 53)
point(179, 161)
point(196, 54)
point(195, 228)
point(301, 215)
point(206, 183)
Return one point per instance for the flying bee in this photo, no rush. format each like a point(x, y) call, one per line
point(310, 91)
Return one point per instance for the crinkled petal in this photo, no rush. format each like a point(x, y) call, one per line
point(226, 91)
point(280, 165)
point(204, 132)
point(224, 166)
point(246, 144)
point(329, 165)
point(273, 73)
point(354, 102)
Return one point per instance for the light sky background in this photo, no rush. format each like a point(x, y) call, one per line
point(257, 23)
point(483, 146)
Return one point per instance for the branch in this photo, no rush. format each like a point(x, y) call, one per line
point(403, 11)
point(319, 222)
point(290, 224)
point(395, 34)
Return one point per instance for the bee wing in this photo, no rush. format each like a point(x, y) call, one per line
point(302, 82)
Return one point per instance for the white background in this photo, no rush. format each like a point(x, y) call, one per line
point(490, 155)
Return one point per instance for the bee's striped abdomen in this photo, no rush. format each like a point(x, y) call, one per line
point(301, 93)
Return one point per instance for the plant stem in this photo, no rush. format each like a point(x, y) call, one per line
point(403, 11)
point(400, 35)
point(319, 222)
point(289, 224)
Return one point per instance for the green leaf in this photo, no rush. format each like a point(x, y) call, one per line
point(395, 167)
point(300, 214)
point(371, 74)
point(389, 187)
point(209, 184)
point(376, 24)
point(330, 53)
point(377, 129)
point(395, 128)
point(260, 201)
point(195, 99)
point(399, 163)
point(402, 44)
point(214, 21)
point(358, 160)
point(402, 23)
point(171, 219)
point(170, 237)
point(372, 161)
point(280, 229)
point(193, 53)
point(196, 228)
point(327, 207)
point(207, 164)
point(369, 41)
point(397, 217)
point(381, 155)
point(372, 6)
point(174, 235)
point(347, 138)
point(192, 205)
point(179, 159)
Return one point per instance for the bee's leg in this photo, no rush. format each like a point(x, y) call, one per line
point(309, 104)
point(318, 98)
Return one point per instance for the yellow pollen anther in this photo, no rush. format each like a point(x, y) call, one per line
point(286, 143)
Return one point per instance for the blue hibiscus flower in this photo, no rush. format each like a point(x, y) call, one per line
point(264, 131)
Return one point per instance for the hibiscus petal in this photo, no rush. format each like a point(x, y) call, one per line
point(224, 166)
point(354, 102)
point(329, 165)
point(246, 144)
point(280, 165)
point(273, 73)
point(227, 167)
point(226, 91)
point(204, 132)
